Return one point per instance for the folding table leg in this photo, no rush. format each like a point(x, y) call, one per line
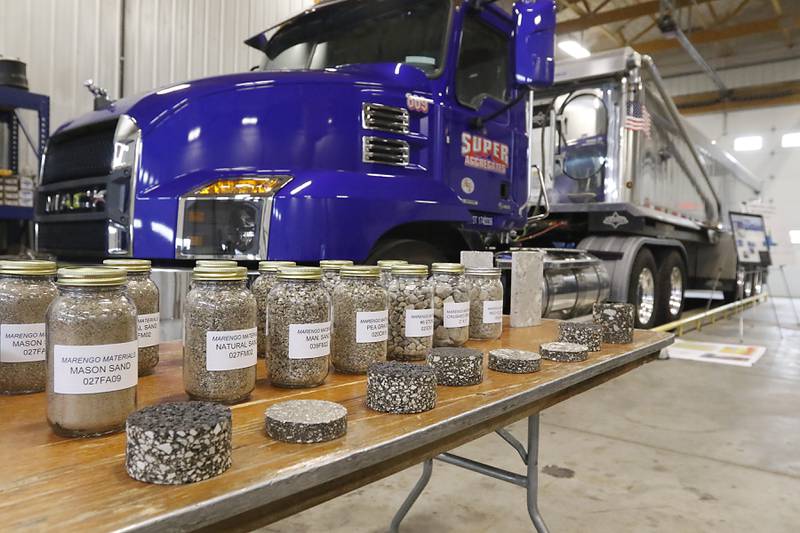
point(427, 470)
point(533, 474)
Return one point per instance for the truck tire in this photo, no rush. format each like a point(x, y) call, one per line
point(643, 289)
point(671, 282)
point(412, 250)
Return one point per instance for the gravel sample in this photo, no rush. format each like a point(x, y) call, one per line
point(617, 320)
point(401, 388)
point(565, 352)
point(590, 335)
point(486, 303)
point(411, 316)
point(457, 367)
point(386, 269)
point(178, 443)
point(511, 361)
point(331, 272)
point(268, 276)
point(306, 421)
point(450, 305)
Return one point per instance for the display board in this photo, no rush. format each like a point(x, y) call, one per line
point(750, 235)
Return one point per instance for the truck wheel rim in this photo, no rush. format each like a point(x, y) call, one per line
point(647, 295)
point(675, 291)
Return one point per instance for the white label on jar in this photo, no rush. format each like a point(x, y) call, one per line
point(307, 341)
point(419, 322)
point(231, 350)
point(22, 343)
point(95, 369)
point(493, 312)
point(147, 328)
point(456, 314)
point(372, 326)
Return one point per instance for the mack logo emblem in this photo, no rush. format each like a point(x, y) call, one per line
point(416, 103)
point(484, 154)
point(467, 185)
point(615, 220)
point(66, 202)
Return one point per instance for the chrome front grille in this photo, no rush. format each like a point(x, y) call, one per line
point(384, 118)
point(385, 151)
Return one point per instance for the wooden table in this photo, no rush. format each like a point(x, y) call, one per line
point(49, 482)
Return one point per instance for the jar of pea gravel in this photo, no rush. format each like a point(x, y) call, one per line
point(92, 352)
point(331, 269)
point(26, 289)
point(410, 313)
point(219, 336)
point(299, 340)
point(486, 303)
point(144, 294)
point(360, 324)
point(267, 276)
point(386, 269)
point(450, 304)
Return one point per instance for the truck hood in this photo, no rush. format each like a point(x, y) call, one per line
point(150, 108)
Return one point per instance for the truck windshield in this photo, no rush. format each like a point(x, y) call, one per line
point(362, 31)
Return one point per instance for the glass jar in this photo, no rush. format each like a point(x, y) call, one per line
point(224, 263)
point(360, 324)
point(144, 294)
point(219, 336)
point(450, 304)
point(410, 313)
point(92, 353)
point(486, 303)
point(26, 290)
point(299, 340)
point(386, 269)
point(267, 276)
point(331, 269)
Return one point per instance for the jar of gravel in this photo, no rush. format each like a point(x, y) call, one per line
point(144, 294)
point(267, 276)
point(486, 303)
point(410, 313)
point(360, 324)
point(386, 269)
point(26, 289)
point(92, 352)
point(219, 336)
point(331, 272)
point(450, 304)
point(299, 340)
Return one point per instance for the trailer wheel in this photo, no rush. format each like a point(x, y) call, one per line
point(672, 284)
point(412, 250)
point(643, 289)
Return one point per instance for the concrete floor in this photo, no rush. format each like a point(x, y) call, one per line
point(673, 446)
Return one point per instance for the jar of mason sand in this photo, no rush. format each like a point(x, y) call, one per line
point(450, 304)
point(331, 270)
point(386, 269)
point(267, 276)
point(144, 294)
point(486, 303)
point(360, 323)
point(299, 340)
point(26, 289)
point(92, 353)
point(219, 336)
point(410, 313)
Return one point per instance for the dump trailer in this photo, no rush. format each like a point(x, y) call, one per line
point(631, 182)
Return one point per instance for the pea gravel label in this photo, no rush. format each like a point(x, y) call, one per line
point(95, 369)
point(22, 343)
point(372, 326)
point(147, 328)
point(456, 314)
point(307, 341)
point(493, 312)
point(419, 322)
point(231, 350)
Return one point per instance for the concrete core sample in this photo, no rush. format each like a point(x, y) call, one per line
point(395, 387)
point(477, 259)
point(527, 271)
point(306, 421)
point(457, 367)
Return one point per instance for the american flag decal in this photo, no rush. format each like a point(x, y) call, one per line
point(638, 118)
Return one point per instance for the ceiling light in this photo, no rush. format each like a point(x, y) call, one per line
point(574, 49)
point(748, 144)
point(791, 140)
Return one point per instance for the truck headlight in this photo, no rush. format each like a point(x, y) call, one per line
point(126, 143)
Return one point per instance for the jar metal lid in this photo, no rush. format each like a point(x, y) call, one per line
point(361, 271)
point(274, 266)
point(32, 267)
point(216, 263)
point(219, 273)
point(310, 273)
point(387, 264)
point(334, 264)
point(131, 265)
point(410, 270)
point(485, 271)
point(450, 268)
point(95, 276)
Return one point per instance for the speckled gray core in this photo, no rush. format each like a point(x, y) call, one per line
point(590, 335)
point(565, 352)
point(306, 421)
point(457, 367)
point(395, 387)
point(178, 443)
point(617, 321)
point(511, 361)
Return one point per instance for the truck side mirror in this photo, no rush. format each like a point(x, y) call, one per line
point(534, 42)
